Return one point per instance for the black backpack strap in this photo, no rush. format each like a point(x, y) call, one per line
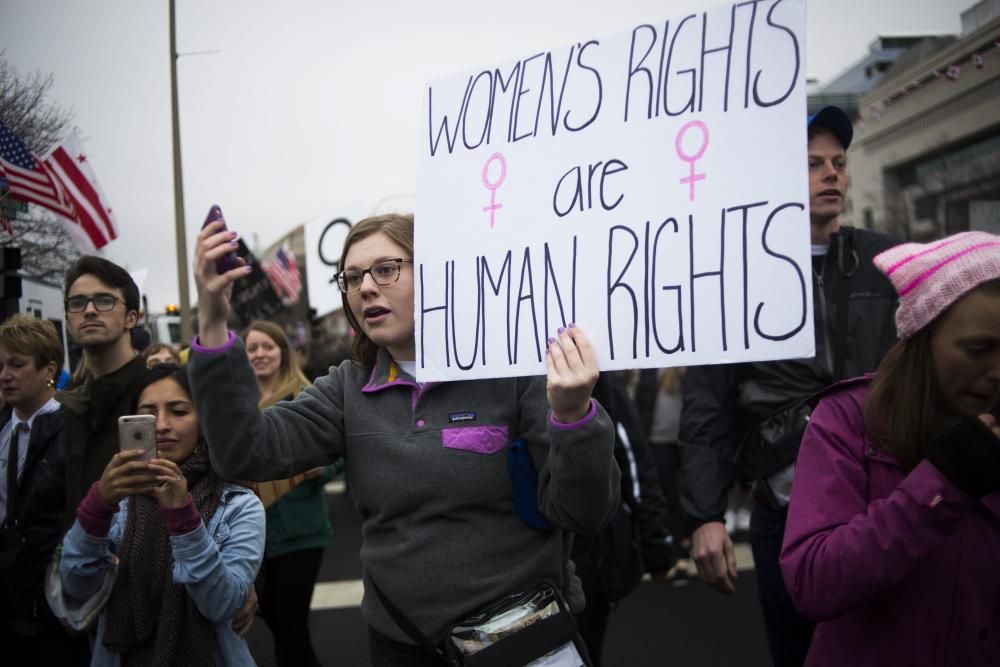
point(847, 263)
point(406, 625)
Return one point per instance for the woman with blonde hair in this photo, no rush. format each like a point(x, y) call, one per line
point(298, 526)
point(32, 493)
point(275, 366)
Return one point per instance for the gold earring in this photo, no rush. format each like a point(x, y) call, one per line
point(51, 383)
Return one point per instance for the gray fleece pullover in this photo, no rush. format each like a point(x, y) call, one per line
point(428, 471)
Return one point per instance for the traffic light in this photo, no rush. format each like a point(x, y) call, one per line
point(10, 280)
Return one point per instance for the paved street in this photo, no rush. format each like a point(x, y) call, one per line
point(684, 625)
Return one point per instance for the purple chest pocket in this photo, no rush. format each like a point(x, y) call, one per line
point(481, 439)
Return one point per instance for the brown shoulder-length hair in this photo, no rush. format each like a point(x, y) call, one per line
point(399, 228)
point(290, 378)
point(902, 410)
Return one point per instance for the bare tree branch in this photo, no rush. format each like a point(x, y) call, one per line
point(46, 247)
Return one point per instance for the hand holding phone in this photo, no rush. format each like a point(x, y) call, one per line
point(130, 475)
point(138, 432)
point(228, 261)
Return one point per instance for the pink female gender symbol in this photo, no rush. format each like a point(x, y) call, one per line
point(493, 187)
point(692, 177)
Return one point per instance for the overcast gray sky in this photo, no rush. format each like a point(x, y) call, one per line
point(309, 108)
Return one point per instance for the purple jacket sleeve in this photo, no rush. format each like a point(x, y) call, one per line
point(843, 548)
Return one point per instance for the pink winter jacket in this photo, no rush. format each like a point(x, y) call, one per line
point(898, 567)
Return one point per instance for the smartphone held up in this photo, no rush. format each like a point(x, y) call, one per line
point(229, 261)
point(138, 432)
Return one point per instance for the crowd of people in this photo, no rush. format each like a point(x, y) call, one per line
point(503, 519)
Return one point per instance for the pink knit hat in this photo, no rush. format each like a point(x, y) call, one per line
point(930, 277)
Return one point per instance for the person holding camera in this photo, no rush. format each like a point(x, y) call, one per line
point(32, 494)
point(182, 545)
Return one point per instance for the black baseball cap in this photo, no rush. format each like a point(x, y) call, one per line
point(837, 120)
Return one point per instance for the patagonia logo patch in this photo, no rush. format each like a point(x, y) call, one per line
point(455, 417)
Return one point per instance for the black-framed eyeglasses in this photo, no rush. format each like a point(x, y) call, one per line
point(383, 273)
point(102, 303)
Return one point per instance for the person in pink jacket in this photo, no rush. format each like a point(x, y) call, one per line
point(893, 536)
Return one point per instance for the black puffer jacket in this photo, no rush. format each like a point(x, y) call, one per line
point(41, 498)
point(721, 402)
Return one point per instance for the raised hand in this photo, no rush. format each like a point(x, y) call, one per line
point(125, 475)
point(214, 289)
point(572, 374)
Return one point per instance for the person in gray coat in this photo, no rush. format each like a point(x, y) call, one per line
point(428, 463)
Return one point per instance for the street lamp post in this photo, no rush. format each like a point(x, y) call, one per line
point(179, 226)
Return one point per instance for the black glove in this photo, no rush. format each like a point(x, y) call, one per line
point(968, 454)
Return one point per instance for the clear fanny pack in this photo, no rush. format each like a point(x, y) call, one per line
point(534, 628)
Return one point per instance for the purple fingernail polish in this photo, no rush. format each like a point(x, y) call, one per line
point(552, 340)
point(572, 325)
point(561, 329)
point(232, 234)
point(235, 244)
point(247, 268)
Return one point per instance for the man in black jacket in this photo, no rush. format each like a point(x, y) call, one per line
point(102, 309)
point(32, 495)
point(723, 405)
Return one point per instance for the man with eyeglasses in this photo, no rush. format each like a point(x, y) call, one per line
point(102, 308)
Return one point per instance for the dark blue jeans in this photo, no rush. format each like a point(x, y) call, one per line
point(788, 632)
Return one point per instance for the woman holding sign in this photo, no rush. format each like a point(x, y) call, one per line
point(893, 530)
point(454, 519)
point(298, 527)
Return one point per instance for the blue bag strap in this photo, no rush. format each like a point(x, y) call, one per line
point(524, 479)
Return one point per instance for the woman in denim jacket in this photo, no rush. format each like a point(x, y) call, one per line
point(167, 521)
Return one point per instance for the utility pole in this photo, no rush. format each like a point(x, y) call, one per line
point(179, 226)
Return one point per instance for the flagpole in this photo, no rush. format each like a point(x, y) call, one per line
point(180, 230)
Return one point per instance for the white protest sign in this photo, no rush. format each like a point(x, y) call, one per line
point(650, 186)
point(324, 241)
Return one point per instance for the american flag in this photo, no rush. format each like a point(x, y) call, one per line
point(25, 175)
point(62, 182)
point(283, 273)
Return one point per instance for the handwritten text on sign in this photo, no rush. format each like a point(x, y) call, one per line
point(650, 186)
